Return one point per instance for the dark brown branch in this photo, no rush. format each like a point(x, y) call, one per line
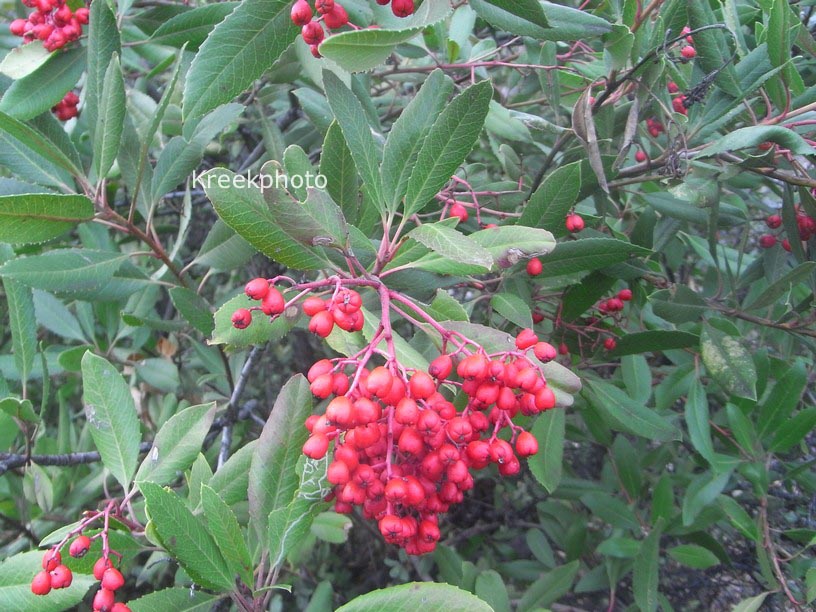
point(10, 461)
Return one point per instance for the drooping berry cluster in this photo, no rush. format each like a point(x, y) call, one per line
point(55, 575)
point(53, 22)
point(805, 224)
point(66, 108)
point(404, 452)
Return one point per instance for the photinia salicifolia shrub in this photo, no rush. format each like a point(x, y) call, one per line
point(467, 305)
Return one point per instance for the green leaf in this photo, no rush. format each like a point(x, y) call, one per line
point(246, 212)
point(259, 332)
point(316, 222)
point(231, 479)
point(628, 415)
point(70, 271)
point(646, 575)
point(750, 137)
point(272, 476)
point(769, 297)
point(791, 432)
point(223, 249)
point(112, 418)
point(194, 309)
point(512, 308)
point(491, 588)
point(739, 518)
point(653, 341)
point(447, 144)
point(185, 537)
point(365, 49)
point(619, 548)
point(415, 596)
point(23, 326)
point(103, 42)
point(728, 362)
point(549, 588)
point(409, 132)
point(752, 604)
point(237, 52)
point(637, 377)
point(331, 527)
point(43, 88)
point(350, 116)
point(693, 556)
point(35, 217)
point(227, 534)
point(611, 510)
point(782, 399)
point(176, 444)
point(337, 165)
point(588, 254)
point(23, 60)
point(110, 120)
point(453, 245)
point(36, 144)
point(290, 525)
point(702, 492)
point(192, 27)
point(545, 465)
point(16, 573)
point(696, 412)
point(550, 203)
point(713, 51)
point(19, 409)
point(178, 599)
point(563, 23)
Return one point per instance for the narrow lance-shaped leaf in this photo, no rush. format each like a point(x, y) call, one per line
point(447, 144)
point(110, 120)
point(23, 326)
point(33, 218)
point(111, 415)
point(103, 42)
point(227, 533)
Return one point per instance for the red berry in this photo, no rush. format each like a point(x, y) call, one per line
point(338, 473)
point(421, 385)
point(51, 559)
point(313, 33)
point(441, 367)
point(574, 223)
point(82, 14)
point(526, 444)
point(321, 324)
point(525, 339)
point(544, 351)
point(402, 8)
point(336, 18)
point(120, 607)
point(17, 27)
point(79, 547)
point(315, 51)
point(610, 344)
point(379, 382)
point(672, 87)
point(41, 584)
point(786, 245)
point(766, 241)
point(563, 349)
point(313, 305)
point(61, 577)
point(103, 600)
point(688, 52)
point(678, 104)
point(773, 221)
point(273, 302)
point(324, 6)
point(457, 210)
point(348, 301)
point(257, 288)
point(112, 579)
point(301, 13)
point(316, 446)
point(100, 566)
point(538, 316)
point(625, 295)
point(324, 366)
point(534, 266)
point(241, 318)
point(641, 156)
point(340, 412)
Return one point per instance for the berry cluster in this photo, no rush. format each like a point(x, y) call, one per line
point(55, 575)
point(52, 22)
point(654, 127)
point(402, 450)
point(66, 108)
point(615, 304)
point(806, 225)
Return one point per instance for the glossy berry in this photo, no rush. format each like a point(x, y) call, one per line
point(534, 266)
point(544, 351)
point(574, 223)
point(112, 579)
point(402, 8)
point(241, 318)
point(301, 13)
point(313, 305)
point(441, 367)
point(526, 444)
point(336, 18)
point(610, 344)
point(766, 241)
point(688, 52)
point(257, 288)
point(100, 566)
point(641, 156)
point(104, 600)
point(672, 87)
point(625, 295)
point(51, 559)
point(786, 245)
point(61, 577)
point(79, 547)
point(120, 607)
point(321, 324)
point(273, 302)
point(563, 349)
point(17, 27)
point(313, 33)
point(316, 446)
point(525, 339)
point(324, 6)
point(773, 221)
point(41, 584)
point(457, 210)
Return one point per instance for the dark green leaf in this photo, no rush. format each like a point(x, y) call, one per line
point(192, 27)
point(645, 577)
point(728, 362)
point(588, 254)
point(417, 595)
point(33, 218)
point(545, 465)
